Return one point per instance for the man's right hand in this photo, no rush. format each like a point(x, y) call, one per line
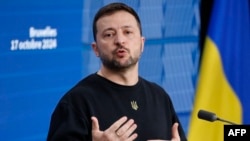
point(121, 130)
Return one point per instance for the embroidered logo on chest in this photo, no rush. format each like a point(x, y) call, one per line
point(134, 105)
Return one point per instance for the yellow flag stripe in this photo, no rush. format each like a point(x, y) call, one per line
point(215, 94)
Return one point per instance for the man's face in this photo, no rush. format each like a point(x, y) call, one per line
point(118, 41)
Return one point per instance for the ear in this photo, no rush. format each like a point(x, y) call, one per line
point(142, 43)
point(95, 49)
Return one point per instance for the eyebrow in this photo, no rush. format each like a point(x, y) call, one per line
point(111, 28)
point(127, 26)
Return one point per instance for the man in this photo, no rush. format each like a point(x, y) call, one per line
point(115, 103)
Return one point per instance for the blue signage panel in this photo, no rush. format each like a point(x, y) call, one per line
point(40, 59)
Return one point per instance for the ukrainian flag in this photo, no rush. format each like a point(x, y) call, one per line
point(224, 81)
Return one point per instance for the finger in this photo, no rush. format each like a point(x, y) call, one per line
point(125, 127)
point(116, 125)
point(95, 124)
point(132, 137)
point(129, 132)
point(175, 133)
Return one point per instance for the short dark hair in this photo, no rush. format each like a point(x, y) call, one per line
point(112, 8)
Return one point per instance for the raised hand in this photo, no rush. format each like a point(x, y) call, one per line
point(120, 130)
point(175, 133)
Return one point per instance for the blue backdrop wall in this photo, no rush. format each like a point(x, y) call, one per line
point(45, 50)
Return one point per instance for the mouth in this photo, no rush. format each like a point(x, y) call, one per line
point(121, 52)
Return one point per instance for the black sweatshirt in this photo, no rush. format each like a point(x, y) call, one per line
point(153, 113)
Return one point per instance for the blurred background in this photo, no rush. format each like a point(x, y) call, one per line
point(45, 50)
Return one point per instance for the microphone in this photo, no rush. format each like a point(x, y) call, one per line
point(209, 116)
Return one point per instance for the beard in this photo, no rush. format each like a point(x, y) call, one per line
point(115, 64)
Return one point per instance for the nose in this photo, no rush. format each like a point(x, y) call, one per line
point(119, 39)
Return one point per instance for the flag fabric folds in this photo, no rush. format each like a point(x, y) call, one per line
point(223, 85)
